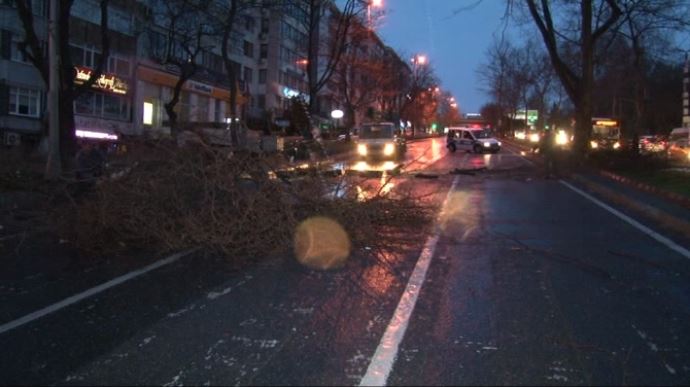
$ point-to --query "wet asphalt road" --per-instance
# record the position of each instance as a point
(529, 283)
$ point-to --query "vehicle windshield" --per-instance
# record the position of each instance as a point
(377, 131)
(600, 131)
(483, 134)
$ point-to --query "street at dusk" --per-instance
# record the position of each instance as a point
(351, 192)
(518, 291)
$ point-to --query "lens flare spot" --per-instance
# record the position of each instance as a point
(321, 243)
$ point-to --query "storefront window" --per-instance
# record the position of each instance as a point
(84, 104)
(202, 108)
(108, 106)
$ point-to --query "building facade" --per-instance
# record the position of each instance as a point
(268, 51)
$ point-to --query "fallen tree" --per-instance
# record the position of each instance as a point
(171, 198)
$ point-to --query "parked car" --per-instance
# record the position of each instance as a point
(475, 140)
(652, 144)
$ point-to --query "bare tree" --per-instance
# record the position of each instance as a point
(644, 22)
(595, 18)
(361, 78)
(32, 48)
(180, 37)
(419, 105)
(324, 52)
(447, 112)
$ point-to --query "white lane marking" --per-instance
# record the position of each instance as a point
(655, 235)
(90, 292)
(381, 364)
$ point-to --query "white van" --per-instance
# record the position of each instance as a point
(475, 140)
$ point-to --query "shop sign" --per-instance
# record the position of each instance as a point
(196, 86)
(107, 82)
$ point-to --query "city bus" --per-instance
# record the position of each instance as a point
(606, 134)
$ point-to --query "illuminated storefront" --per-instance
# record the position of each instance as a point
(107, 108)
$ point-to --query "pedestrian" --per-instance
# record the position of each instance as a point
(548, 151)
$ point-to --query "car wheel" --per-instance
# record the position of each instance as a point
(477, 149)
(452, 147)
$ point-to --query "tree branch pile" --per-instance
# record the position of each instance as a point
(173, 198)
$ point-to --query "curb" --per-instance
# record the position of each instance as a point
(672, 196)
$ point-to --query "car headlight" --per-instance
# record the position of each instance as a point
(561, 138)
(388, 149)
(534, 137)
(486, 144)
(362, 149)
(594, 144)
(499, 143)
(616, 145)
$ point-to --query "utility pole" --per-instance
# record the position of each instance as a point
(53, 166)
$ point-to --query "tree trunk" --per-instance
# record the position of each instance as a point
(68, 138)
(170, 107)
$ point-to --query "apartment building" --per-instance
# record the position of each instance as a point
(22, 97)
(268, 51)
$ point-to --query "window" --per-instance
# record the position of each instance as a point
(202, 104)
(248, 49)
(25, 102)
(263, 51)
(109, 106)
(262, 76)
(118, 65)
(248, 74)
(236, 68)
(262, 101)
(148, 113)
(16, 53)
(249, 23)
(85, 56)
(217, 113)
(264, 25)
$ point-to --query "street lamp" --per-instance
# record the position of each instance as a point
(419, 60)
(375, 4)
(337, 115)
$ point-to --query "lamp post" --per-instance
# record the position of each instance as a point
(417, 61)
(337, 115)
(375, 4)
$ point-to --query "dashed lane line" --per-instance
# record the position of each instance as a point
(91, 292)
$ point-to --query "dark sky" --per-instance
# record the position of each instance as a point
(455, 44)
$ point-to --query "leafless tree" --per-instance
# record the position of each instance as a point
(447, 112)
(643, 24)
(324, 52)
(594, 19)
(181, 37)
(362, 77)
(33, 49)
(420, 102)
